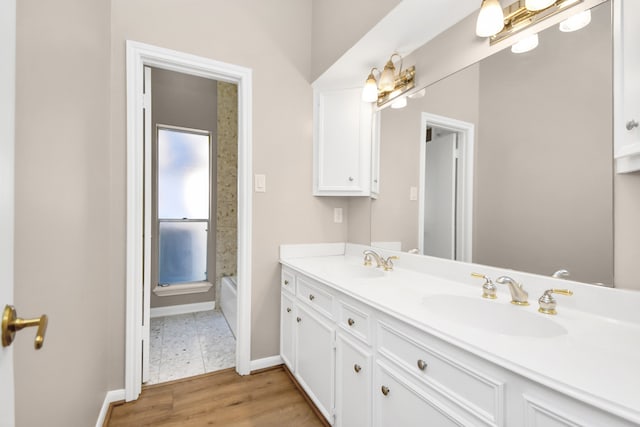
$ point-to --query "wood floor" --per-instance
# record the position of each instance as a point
(223, 398)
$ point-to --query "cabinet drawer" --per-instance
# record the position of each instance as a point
(398, 402)
(480, 395)
(312, 294)
(355, 322)
(288, 281)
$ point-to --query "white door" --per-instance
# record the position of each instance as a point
(7, 129)
(440, 196)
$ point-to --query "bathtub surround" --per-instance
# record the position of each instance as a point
(226, 184)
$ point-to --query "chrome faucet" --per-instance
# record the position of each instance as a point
(386, 263)
(518, 295)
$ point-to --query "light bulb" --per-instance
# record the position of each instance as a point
(370, 90)
(388, 78)
(538, 4)
(526, 44)
(576, 22)
(490, 20)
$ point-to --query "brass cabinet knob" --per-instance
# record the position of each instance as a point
(11, 324)
(422, 365)
(350, 321)
(286, 282)
(311, 297)
(351, 179)
(288, 309)
(384, 389)
(298, 319)
(357, 368)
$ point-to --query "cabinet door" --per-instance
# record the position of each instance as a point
(315, 358)
(342, 144)
(398, 402)
(287, 335)
(353, 383)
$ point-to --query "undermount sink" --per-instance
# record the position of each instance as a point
(493, 316)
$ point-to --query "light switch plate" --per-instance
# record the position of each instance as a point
(261, 183)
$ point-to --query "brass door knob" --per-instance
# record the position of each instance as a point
(384, 389)
(11, 324)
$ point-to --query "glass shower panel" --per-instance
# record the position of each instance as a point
(183, 174)
(183, 251)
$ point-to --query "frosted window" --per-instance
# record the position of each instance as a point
(183, 251)
(183, 175)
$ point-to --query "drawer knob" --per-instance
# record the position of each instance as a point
(312, 297)
(350, 321)
(286, 282)
(422, 365)
(357, 368)
(288, 309)
(384, 389)
(298, 319)
(351, 179)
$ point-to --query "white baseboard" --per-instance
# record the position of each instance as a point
(182, 309)
(111, 396)
(267, 362)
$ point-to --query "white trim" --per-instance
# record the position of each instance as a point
(109, 398)
(182, 289)
(172, 310)
(466, 141)
(266, 362)
(139, 55)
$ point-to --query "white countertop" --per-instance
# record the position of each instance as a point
(593, 358)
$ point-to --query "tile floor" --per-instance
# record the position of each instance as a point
(190, 344)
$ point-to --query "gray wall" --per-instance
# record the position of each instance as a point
(63, 225)
(337, 25)
(186, 101)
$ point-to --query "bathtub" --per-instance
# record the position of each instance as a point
(228, 301)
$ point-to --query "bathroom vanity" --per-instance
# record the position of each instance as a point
(418, 345)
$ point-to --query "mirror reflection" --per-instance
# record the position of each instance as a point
(508, 162)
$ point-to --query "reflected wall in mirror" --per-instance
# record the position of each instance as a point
(542, 163)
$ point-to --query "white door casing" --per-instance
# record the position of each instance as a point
(7, 189)
(148, 191)
(466, 142)
(140, 55)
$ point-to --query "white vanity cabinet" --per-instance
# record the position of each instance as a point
(342, 143)
(363, 366)
(307, 338)
(626, 85)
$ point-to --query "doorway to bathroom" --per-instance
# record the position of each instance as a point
(143, 223)
(446, 187)
(193, 245)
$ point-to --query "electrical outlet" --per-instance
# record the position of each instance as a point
(413, 193)
(337, 215)
(261, 183)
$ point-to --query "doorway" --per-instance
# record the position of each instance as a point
(445, 209)
(139, 193)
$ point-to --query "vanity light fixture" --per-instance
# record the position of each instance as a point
(526, 44)
(576, 22)
(519, 15)
(389, 84)
(491, 19)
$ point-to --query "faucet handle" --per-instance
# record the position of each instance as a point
(367, 260)
(548, 303)
(489, 289)
(388, 263)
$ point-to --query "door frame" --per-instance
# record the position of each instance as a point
(139, 55)
(7, 194)
(464, 179)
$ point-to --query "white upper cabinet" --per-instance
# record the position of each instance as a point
(626, 129)
(342, 143)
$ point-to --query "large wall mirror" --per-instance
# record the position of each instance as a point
(508, 162)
